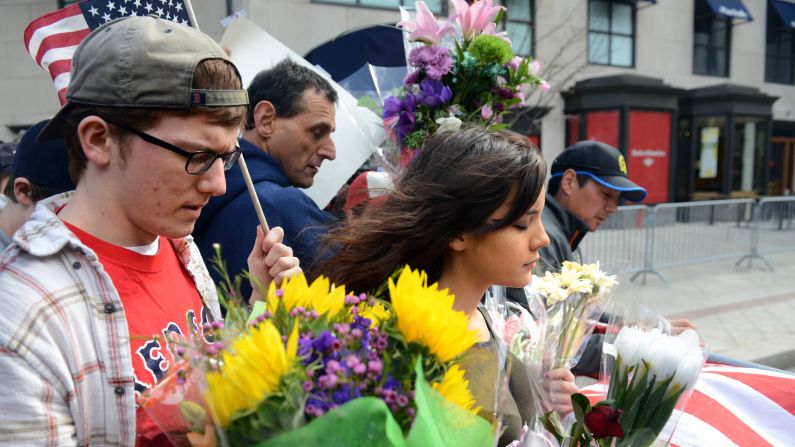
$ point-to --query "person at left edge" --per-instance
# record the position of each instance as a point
(97, 282)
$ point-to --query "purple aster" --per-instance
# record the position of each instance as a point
(433, 59)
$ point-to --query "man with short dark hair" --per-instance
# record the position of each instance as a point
(587, 180)
(38, 171)
(99, 280)
(288, 136)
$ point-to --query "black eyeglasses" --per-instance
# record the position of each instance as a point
(198, 162)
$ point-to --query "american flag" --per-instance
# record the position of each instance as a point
(732, 406)
(52, 39)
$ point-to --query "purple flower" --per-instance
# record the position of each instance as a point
(486, 112)
(412, 77)
(402, 400)
(327, 381)
(434, 60)
(375, 366)
(404, 110)
(433, 93)
(308, 385)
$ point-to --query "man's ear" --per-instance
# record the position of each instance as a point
(23, 192)
(96, 139)
(568, 182)
(264, 115)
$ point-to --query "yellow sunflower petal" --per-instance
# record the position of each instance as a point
(425, 316)
(455, 388)
(252, 368)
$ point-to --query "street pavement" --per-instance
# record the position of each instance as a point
(740, 312)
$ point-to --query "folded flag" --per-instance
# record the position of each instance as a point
(51, 39)
(733, 406)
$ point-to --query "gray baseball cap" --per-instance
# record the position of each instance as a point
(142, 62)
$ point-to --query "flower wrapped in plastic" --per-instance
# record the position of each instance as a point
(651, 375)
(460, 71)
(575, 299)
(313, 360)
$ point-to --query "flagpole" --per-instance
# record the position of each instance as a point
(253, 194)
(191, 15)
(242, 160)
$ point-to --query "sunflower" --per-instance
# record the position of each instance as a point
(321, 295)
(377, 313)
(425, 316)
(252, 367)
(455, 388)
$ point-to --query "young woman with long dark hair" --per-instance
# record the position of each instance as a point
(467, 211)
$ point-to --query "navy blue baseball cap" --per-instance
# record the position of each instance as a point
(603, 163)
(43, 163)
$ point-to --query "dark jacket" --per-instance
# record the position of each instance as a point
(565, 231)
(231, 221)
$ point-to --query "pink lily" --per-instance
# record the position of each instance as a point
(534, 68)
(491, 29)
(474, 18)
(544, 86)
(426, 28)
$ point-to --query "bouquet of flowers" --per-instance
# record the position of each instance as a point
(477, 79)
(313, 360)
(575, 298)
(652, 375)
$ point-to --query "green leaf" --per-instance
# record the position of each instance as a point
(581, 406)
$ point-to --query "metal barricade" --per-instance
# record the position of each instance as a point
(621, 240)
(775, 224)
(694, 232)
(645, 240)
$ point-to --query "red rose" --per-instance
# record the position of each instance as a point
(603, 421)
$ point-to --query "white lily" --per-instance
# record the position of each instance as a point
(448, 123)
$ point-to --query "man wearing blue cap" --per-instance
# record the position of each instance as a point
(587, 181)
(38, 171)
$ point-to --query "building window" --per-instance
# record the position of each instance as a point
(780, 49)
(611, 33)
(711, 41)
(436, 6)
(518, 22)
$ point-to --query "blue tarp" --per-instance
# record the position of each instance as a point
(379, 45)
(785, 11)
(733, 9)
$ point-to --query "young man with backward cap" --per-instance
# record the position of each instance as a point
(99, 279)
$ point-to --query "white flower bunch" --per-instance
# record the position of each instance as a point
(665, 356)
(574, 278)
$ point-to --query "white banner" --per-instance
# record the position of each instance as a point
(358, 132)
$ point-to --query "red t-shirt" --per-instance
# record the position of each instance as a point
(159, 297)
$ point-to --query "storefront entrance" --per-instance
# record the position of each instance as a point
(782, 166)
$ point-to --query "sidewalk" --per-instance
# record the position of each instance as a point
(747, 314)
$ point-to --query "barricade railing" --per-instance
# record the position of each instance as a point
(648, 239)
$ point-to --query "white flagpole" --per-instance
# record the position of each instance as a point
(242, 160)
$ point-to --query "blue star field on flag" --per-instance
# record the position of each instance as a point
(98, 12)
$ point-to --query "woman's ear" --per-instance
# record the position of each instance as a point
(459, 243)
(96, 140)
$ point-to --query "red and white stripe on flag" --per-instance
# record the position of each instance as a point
(52, 39)
(733, 406)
